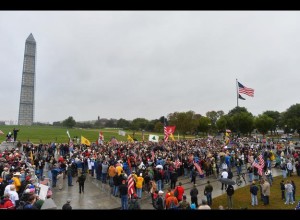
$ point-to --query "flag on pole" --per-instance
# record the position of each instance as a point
(68, 134)
(1, 132)
(153, 138)
(243, 89)
(172, 137)
(130, 185)
(129, 138)
(168, 130)
(85, 141)
(241, 97)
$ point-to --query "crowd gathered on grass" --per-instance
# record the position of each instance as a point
(134, 168)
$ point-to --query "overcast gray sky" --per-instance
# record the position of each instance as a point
(130, 64)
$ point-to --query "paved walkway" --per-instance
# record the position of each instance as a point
(97, 195)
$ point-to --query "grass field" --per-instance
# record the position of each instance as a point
(242, 197)
(47, 134)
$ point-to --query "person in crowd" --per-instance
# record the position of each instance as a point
(224, 175)
(194, 195)
(204, 205)
(80, 180)
(60, 180)
(253, 192)
(288, 193)
(67, 205)
(123, 188)
(184, 204)
(266, 190)
(230, 192)
(6, 203)
(208, 193)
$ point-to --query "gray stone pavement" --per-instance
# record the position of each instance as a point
(97, 195)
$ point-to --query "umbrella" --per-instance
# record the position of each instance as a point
(227, 181)
(49, 204)
(159, 166)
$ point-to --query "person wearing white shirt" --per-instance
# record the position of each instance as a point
(225, 176)
(14, 197)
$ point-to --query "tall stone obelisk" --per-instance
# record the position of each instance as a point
(26, 110)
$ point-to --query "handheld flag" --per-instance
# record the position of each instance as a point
(68, 134)
(168, 130)
(85, 141)
(129, 138)
(153, 138)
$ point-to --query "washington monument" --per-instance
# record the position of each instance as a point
(26, 110)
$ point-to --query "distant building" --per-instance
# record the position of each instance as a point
(26, 110)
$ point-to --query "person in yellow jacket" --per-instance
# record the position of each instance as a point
(139, 185)
(111, 173)
(17, 181)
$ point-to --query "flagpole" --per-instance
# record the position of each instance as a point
(237, 93)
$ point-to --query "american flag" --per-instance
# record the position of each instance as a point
(261, 161)
(259, 165)
(198, 168)
(131, 189)
(245, 90)
(177, 163)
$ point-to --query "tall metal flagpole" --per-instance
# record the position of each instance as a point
(237, 93)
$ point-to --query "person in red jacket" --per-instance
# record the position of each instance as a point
(6, 203)
(180, 192)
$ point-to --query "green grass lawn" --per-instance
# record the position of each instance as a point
(242, 197)
(47, 134)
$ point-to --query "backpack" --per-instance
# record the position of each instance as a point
(176, 192)
(21, 205)
(133, 205)
(155, 202)
(173, 206)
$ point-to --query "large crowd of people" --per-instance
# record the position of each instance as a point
(146, 166)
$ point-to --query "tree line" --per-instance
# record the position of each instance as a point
(239, 120)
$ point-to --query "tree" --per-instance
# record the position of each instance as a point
(69, 122)
(214, 116)
(243, 122)
(221, 123)
(275, 115)
(139, 124)
(184, 122)
(122, 123)
(263, 123)
(204, 124)
(292, 118)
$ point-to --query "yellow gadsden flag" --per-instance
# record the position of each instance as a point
(85, 141)
(129, 138)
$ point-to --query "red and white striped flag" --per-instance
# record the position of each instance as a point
(168, 130)
(259, 165)
(177, 163)
(198, 168)
(261, 161)
(131, 189)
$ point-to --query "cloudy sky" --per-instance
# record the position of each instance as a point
(131, 64)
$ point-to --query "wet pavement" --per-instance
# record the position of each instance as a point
(98, 196)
